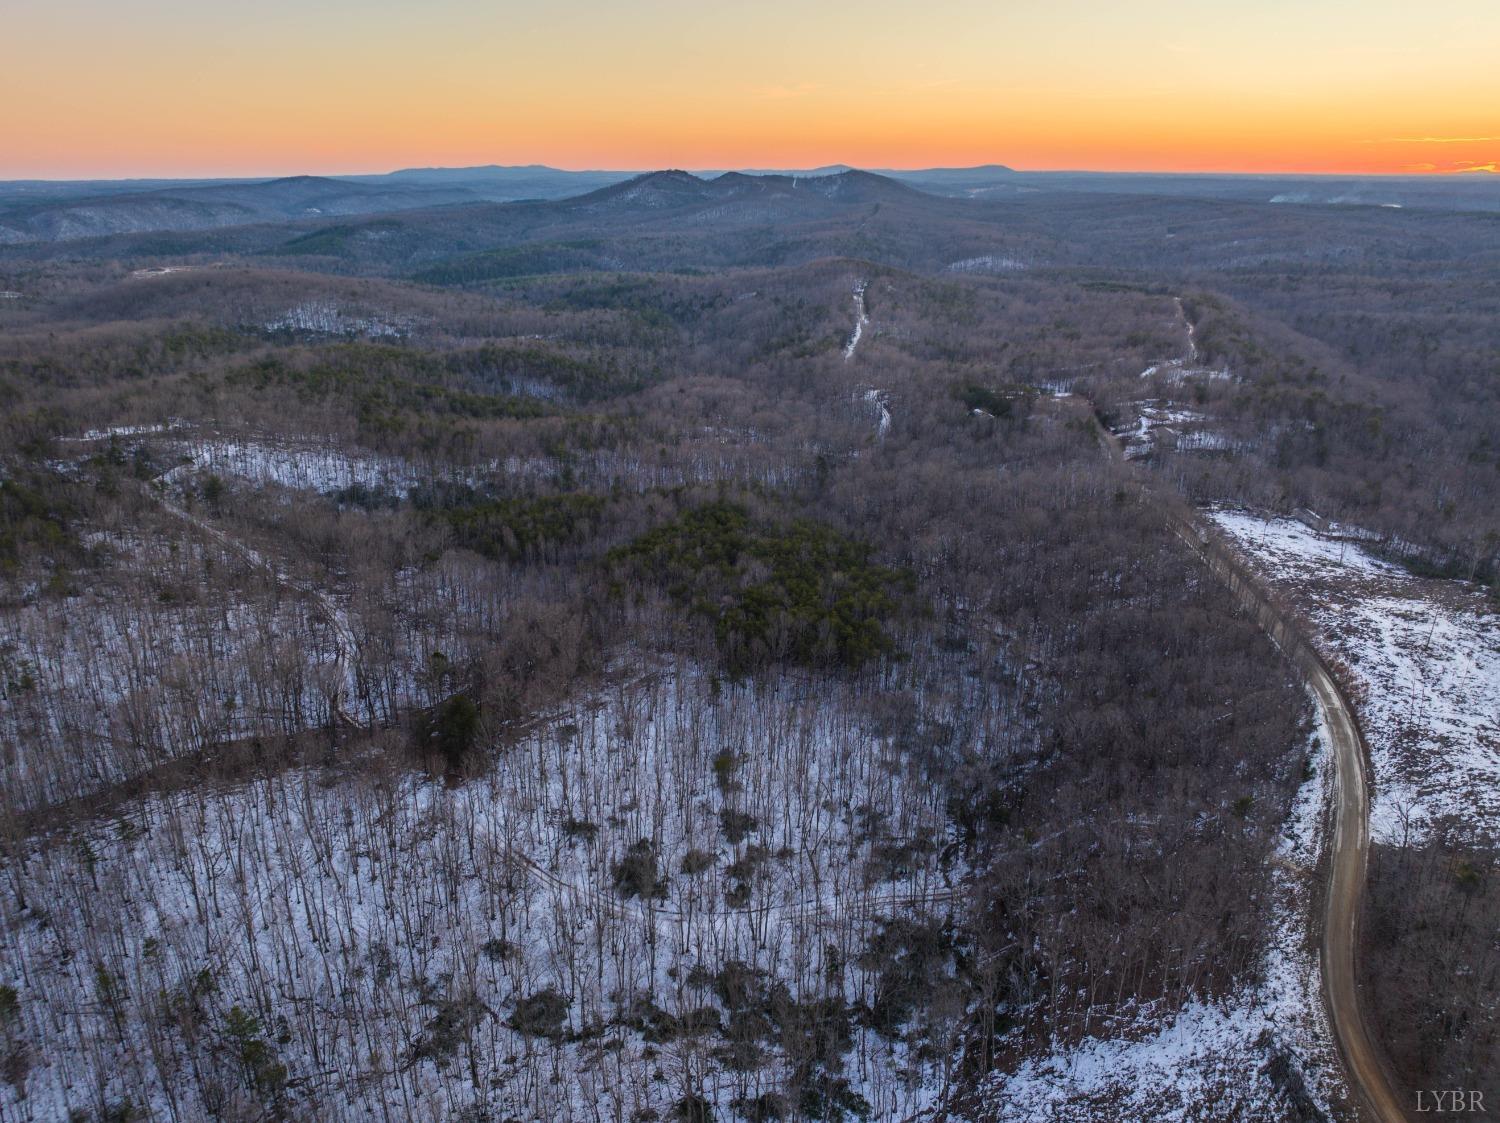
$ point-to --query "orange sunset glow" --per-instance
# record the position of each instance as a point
(170, 88)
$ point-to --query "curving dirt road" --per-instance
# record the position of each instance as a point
(1348, 851)
(1365, 1068)
(1348, 857)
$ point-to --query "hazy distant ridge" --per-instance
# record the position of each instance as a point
(40, 212)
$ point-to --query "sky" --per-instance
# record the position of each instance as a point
(114, 88)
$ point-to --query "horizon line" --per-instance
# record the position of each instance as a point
(1415, 173)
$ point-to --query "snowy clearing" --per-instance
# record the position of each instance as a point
(1423, 660)
(115, 431)
(988, 263)
(313, 465)
(1160, 425)
(324, 317)
(1175, 372)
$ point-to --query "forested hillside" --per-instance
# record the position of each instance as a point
(687, 651)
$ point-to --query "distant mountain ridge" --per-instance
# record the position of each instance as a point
(498, 183)
(674, 187)
(210, 207)
(36, 212)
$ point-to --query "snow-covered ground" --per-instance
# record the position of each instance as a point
(988, 263)
(114, 432)
(329, 465)
(325, 317)
(1423, 659)
(880, 402)
(860, 320)
(1242, 1057)
(385, 929)
(324, 467)
(1175, 371)
(318, 466)
(161, 271)
(1159, 424)
(97, 689)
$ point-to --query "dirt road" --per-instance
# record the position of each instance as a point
(1348, 857)
(1365, 1069)
(1348, 850)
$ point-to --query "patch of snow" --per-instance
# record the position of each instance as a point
(1167, 1065)
(988, 263)
(860, 320)
(325, 317)
(1181, 427)
(879, 401)
(343, 911)
(317, 466)
(312, 466)
(114, 431)
(1304, 198)
(121, 684)
(1176, 371)
(161, 271)
(1291, 550)
(1422, 658)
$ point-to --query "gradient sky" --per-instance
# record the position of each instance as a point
(213, 87)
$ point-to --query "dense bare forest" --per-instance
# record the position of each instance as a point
(687, 652)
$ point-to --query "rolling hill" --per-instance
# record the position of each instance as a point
(210, 207)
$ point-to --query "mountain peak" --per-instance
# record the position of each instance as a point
(673, 187)
(669, 187)
(856, 186)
